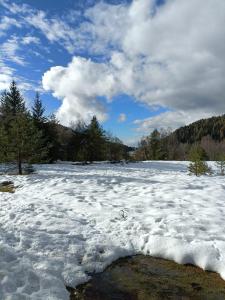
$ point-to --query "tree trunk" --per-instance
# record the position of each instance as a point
(19, 164)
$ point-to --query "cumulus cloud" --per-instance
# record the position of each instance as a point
(164, 55)
(122, 118)
(79, 85)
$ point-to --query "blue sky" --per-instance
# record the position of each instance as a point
(137, 65)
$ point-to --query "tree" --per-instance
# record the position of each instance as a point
(142, 152)
(198, 166)
(20, 140)
(116, 150)
(12, 102)
(96, 141)
(220, 163)
(38, 110)
(155, 146)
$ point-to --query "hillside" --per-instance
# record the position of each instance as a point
(163, 145)
(213, 127)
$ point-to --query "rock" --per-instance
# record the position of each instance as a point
(144, 278)
(7, 187)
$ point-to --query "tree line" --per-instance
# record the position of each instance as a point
(208, 134)
(29, 136)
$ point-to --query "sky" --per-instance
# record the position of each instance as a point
(135, 64)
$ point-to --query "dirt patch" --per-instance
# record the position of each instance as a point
(146, 278)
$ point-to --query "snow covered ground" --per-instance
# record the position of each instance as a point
(66, 222)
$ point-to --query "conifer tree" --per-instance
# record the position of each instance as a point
(20, 140)
(198, 166)
(155, 146)
(12, 101)
(38, 110)
(96, 141)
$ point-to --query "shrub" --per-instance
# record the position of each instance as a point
(198, 166)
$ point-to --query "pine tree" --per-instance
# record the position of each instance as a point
(198, 166)
(155, 146)
(38, 110)
(12, 101)
(96, 141)
(20, 140)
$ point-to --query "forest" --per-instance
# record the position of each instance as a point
(29, 136)
(32, 137)
(207, 134)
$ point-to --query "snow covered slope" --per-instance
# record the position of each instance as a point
(66, 222)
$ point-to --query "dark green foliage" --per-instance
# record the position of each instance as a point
(198, 166)
(153, 147)
(20, 140)
(38, 110)
(116, 150)
(95, 141)
(12, 102)
(213, 127)
(208, 133)
(33, 138)
(91, 141)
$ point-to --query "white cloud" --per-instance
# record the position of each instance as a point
(6, 74)
(15, 8)
(169, 119)
(54, 29)
(78, 85)
(9, 51)
(122, 118)
(27, 40)
(171, 56)
(6, 23)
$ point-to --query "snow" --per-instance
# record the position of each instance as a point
(68, 221)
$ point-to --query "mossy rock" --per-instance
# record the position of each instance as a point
(146, 278)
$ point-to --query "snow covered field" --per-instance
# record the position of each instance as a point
(66, 222)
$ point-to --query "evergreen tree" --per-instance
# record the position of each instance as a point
(96, 141)
(20, 140)
(155, 146)
(198, 166)
(38, 110)
(12, 102)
